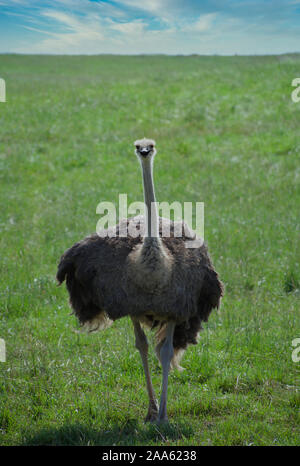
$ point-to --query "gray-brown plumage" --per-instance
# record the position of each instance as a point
(156, 280)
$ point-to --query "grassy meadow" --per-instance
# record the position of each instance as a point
(227, 134)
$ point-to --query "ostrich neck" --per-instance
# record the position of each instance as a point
(151, 265)
(151, 223)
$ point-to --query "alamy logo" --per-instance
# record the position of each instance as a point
(2, 90)
(189, 210)
(296, 351)
(295, 96)
(2, 350)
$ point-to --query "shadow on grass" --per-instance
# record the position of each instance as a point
(130, 432)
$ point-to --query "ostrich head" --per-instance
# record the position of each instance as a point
(145, 149)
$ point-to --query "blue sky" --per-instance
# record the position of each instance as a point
(150, 26)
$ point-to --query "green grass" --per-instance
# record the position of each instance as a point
(227, 133)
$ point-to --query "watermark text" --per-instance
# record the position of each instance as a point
(295, 95)
(2, 350)
(182, 224)
(296, 351)
(2, 90)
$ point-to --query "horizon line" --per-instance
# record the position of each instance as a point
(152, 54)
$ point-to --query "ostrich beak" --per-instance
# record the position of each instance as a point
(144, 152)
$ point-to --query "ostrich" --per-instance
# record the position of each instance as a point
(156, 280)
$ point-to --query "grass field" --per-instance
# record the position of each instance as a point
(227, 133)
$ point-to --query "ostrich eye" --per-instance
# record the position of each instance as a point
(137, 147)
(151, 147)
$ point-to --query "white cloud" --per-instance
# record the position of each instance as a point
(204, 23)
(79, 34)
(127, 26)
(90, 24)
(9, 2)
(152, 6)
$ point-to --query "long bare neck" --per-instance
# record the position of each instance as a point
(151, 214)
(150, 263)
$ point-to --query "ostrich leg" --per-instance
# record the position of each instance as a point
(166, 354)
(141, 344)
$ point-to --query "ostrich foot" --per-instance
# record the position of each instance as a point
(152, 413)
(163, 420)
(151, 417)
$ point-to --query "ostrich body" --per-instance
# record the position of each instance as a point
(154, 279)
